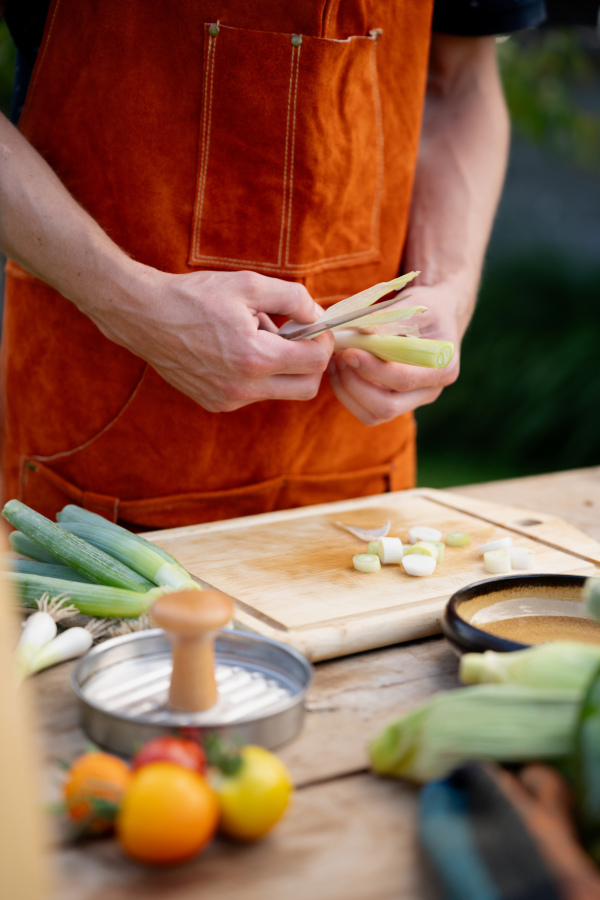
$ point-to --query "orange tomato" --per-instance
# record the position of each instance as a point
(93, 779)
(168, 815)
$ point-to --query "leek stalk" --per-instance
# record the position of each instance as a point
(591, 596)
(25, 546)
(394, 348)
(558, 664)
(48, 570)
(142, 559)
(502, 722)
(77, 553)
(72, 513)
(90, 599)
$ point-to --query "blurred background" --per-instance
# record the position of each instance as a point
(528, 397)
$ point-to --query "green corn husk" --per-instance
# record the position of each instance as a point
(591, 596)
(90, 599)
(564, 665)
(142, 558)
(47, 570)
(25, 546)
(72, 513)
(71, 550)
(499, 722)
(393, 348)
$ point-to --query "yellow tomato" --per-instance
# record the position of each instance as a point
(168, 814)
(254, 798)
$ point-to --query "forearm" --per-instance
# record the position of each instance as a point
(460, 170)
(45, 230)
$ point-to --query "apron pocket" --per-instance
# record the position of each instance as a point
(290, 168)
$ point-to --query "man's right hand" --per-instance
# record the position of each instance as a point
(210, 335)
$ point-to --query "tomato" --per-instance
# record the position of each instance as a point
(255, 797)
(168, 814)
(95, 779)
(171, 749)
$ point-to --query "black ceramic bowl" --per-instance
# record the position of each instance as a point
(515, 611)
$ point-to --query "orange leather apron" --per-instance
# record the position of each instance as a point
(199, 145)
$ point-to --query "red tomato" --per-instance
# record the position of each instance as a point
(181, 752)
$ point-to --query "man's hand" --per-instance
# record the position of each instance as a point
(462, 157)
(376, 391)
(209, 334)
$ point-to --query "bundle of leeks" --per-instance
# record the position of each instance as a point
(105, 570)
(522, 706)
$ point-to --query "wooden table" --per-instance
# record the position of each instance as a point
(348, 834)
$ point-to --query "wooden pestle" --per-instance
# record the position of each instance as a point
(191, 620)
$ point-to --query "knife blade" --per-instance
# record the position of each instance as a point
(319, 326)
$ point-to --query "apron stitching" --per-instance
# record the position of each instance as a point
(102, 431)
(302, 267)
(285, 161)
(291, 182)
(380, 147)
(206, 126)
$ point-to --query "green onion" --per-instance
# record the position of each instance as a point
(141, 557)
(373, 548)
(90, 599)
(80, 555)
(458, 539)
(22, 544)
(558, 664)
(366, 562)
(393, 348)
(48, 570)
(72, 513)
(501, 722)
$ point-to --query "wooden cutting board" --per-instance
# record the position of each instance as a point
(290, 573)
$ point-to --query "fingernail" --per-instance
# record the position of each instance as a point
(353, 361)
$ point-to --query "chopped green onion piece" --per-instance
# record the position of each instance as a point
(389, 550)
(458, 539)
(424, 533)
(556, 664)
(366, 562)
(373, 548)
(441, 550)
(419, 564)
(90, 599)
(72, 513)
(392, 348)
(424, 548)
(500, 544)
(80, 555)
(521, 557)
(503, 722)
(496, 562)
(142, 558)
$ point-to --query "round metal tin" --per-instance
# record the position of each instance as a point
(122, 687)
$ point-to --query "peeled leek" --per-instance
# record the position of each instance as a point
(501, 722)
(80, 555)
(393, 348)
(141, 557)
(557, 664)
(90, 599)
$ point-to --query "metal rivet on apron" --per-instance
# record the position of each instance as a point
(296, 40)
(213, 30)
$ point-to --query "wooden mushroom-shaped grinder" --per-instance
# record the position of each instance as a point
(191, 620)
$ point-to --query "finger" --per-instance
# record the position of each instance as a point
(291, 387)
(395, 376)
(266, 323)
(373, 404)
(275, 296)
(295, 357)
